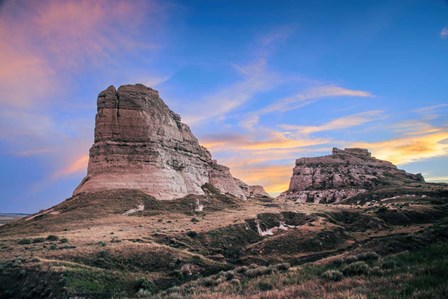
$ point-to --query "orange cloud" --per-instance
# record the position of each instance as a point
(410, 148)
(262, 162)
(276, 140)
(79, 165)
(275, 179)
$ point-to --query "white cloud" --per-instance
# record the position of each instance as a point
(337, 124)
(302, 99)
(444, 32)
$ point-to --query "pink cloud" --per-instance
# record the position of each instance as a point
(42, 39)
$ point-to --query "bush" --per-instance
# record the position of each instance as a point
(376, 271)
(194, 220)
(38, 240)
(282, 267)
(368, 256)
(258, 271)
(350, 259)
(332, 275)
(53, 247)
(24, 242)
(192, 234)
(145, 286)
(229, 275)
(236, 285)
(178, 275)
(209, 282)
(389, 264)
(357, 268)
(337, 262)
(64, 240)
(241, 270)
(265, 286)
(174, 289)
(52, 238)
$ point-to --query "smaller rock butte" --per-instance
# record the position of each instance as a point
(339, 176)
(141, 144)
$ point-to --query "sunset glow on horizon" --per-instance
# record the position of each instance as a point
(260, 83)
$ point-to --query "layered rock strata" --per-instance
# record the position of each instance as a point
(141, 144)
(339, 176)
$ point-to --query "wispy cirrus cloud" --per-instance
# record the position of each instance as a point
(312, 94)
(302, 99)
(336, 124)
(444, 32)
(255, 78)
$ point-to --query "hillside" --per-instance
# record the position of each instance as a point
(88, 246)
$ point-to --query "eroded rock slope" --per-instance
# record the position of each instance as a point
(341, 175)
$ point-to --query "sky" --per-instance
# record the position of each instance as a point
(261, 83)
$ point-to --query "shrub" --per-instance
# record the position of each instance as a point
(350, 259)
(236, 284)
(64, 240)
(178, 275)
(53, 247)
(67, 247)
(265, 286)
(194, 220)
(337, 262)
(282, 267)
(229, 275)
(258, 271)
(357, 268)
(52, 238)
(241, 270)
(376, 271)
(368, 256)
(192, 234)
(24, 242)
(332, 275)
(389, 264)
(38, 240)
(174, 289)
(145, 286)
(209, 282)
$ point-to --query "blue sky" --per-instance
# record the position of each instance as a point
(261, 83)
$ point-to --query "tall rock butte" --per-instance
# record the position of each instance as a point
(340, 176)
(141, 144)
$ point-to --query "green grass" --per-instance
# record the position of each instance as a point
(422, 273)
(82, 282)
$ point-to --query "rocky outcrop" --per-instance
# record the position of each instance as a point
(340, 176)
(255, 191)
(141, 144)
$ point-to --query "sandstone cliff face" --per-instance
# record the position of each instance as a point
(141, 144)
(340, 176)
